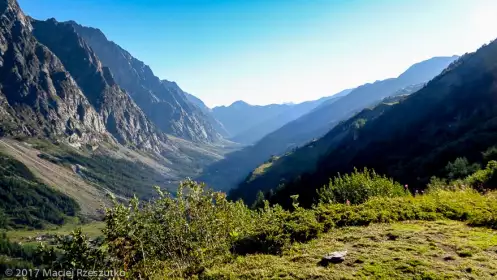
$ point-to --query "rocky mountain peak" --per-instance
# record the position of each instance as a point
(122, 117)
(164, 103)
(37, 94)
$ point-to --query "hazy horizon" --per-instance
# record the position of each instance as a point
(265, 52)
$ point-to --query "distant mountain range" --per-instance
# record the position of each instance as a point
(259, 130)
(247, 123)
(285, 168)
(240, 116)
(228, 172)
(453, 116)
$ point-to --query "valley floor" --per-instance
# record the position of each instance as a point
(408, 250)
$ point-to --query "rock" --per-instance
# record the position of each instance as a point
(38, 96)
(163, 102)
(121, 116)
(335, 257)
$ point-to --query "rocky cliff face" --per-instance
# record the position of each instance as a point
(38, 96)
(218, 126)
(122, 117)
(164, 103)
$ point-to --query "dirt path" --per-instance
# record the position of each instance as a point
(89, 198)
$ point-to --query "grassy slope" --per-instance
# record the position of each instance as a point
(88, 197)
(93, 229)
(25, 201)
(408, 250)
(304, 159)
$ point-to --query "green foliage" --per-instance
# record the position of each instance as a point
(79, 252)
(24, 201)
(15, 255)
(490, 154)
(259, 201)
(358, 187)
(464, 205)
(460, 168)
(185, 233)
(276, 229)
(485, 178)
(359, 123)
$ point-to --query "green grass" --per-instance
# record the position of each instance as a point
(27, 202)
(120, 176)
(260, 170)
(407, 250)
(93, 229)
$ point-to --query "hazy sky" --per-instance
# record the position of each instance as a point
(272, 51)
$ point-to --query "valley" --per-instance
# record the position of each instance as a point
(106, 163)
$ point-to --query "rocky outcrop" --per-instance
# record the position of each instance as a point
(165, 104)
(122, 117)
(38, 96)
(218, 126)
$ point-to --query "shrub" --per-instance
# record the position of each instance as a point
(276, 229)
(490, 154)
(358, 187)
(485, 178)
(179, 236)
(460, 168)
(438, 184)
(463, 205)
(174, 235)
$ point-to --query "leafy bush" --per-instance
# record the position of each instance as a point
(180, 236)
(485, 178)
(490, 154)
(358, 187)
(463, 205)
(461, 168)
(276, 229)
(186, 232)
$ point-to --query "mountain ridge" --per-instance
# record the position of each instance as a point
(122, 117)
(164, 103)
(452, 116)
(287, 167)
(228, 172)
(38, 96)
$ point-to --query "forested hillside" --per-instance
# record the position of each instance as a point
(452, 116)
(274, 173)
(227, 173)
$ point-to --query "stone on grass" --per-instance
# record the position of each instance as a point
(335, 257)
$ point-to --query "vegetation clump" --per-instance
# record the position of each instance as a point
(191, 233)
(27, 202)
(358, 187)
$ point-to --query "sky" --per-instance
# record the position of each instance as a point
(276, 51)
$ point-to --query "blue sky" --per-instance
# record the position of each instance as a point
(275, 51)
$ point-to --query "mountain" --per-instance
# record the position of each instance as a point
(228, 172)
(65, 119)
(241, 116)
(38, 96)
(218, 126)
(197, 102)
(295, 111)
(334, 98)
(121, 116)
(454, 115)
(164, 103)
(283, 169)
